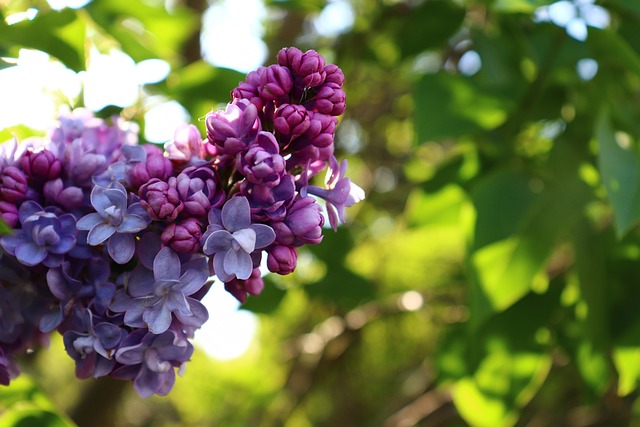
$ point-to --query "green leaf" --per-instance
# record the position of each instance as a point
(60, 34)
(428, 26)
(611, 48)
(620, 171)
(268, 300)
(449, 106)
(31, 417)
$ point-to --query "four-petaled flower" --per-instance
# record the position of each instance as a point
(231, 238)
(114, 221)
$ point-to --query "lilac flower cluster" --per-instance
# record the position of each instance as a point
(114, 244)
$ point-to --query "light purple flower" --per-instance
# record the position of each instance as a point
(68, 197)
(340, 192)
(183, 236)
(40, 165)
(168, 293)
(155, 165)
(161, 199)
(282, 259)
(13, 185)
(232, 238)
(199, 190)
(186, 148)
(235, 128)
(262, 164)
(114, 221)
(44, 237)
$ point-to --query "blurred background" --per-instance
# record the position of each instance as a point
(490, 278)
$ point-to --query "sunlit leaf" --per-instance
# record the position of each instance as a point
(620, 171)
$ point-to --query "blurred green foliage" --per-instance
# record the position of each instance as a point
(491, 278)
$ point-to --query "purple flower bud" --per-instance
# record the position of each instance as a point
(322, 128)
(276, 82)
(248, 89)
(262, 164)
(161, 199)
(282, 259)
(305, 220)
(183, 236)
(9, 213)
(67, 197)
(41, 165)
(290, 57)
(334, 75)
(310, 68)
(156, 166)
(199, 189)
(186, 147)
(291, 121)
(239, 288)
(232, 130)
(330, 100)
(13, 185)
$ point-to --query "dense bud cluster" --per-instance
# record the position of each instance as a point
(114, 244)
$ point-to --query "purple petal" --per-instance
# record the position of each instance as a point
(148, 247)
(236, 214)
(246, 238)
(218, 267)
(27, 209)
(140, 281)
(238, 263)
(193, 279)
(121, 247)
(99, 233)
(89, 221)
(99, 199)
(30, 254)
(133, 355)
(264, 235)
(217, 241)
(135, 309)
(199, 314)
(176, 302)
(65, 244)
(166, 265)
(157, 318)
(132, 224)
(108, 334)
(333, 216)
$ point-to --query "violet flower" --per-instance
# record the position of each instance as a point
(44, 237)
(155, 301)
(340, 192)
(151, 361)
(240, 288)
(161, 199)
(13, 185)
(186, 147)
(262, 164)
(235, 128)
(114, 221)
(40, 165)
(232, 238)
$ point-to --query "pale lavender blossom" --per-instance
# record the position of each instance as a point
(232, 238)
(114, 221)
(154, 301)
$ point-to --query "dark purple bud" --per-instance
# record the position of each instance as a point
(41, 165)
(334, 75)
(277, 82)
(322, 128)
(305, 220)
(282, 259)
(262, 164)
(67, 197)
(183, 236)
(13, 185)
(9, 213)
(330, 100)
(290, 57)
(248, 89)
(239, 288)
(291, 121)
(311, 68)
(156, 166)
(161, 199)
